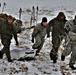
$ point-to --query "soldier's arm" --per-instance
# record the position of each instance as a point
(49, 27)
(67, 26)
(15, 36)
(35, 31)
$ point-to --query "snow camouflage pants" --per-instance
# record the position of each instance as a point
(38, 43)
(71, 48)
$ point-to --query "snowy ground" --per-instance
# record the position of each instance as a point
(42, 65)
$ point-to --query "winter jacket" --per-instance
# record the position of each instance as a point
(39, 30)
(57, 26)
(7, 30)
(70, 47)
(71, 28)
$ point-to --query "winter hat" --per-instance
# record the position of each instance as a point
(44, 19)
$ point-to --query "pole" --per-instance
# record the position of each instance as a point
(20, 11)
(0, 4)
(4, 4)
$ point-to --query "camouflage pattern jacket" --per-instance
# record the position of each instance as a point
(71, 26)
(57, 26)
(7, 30)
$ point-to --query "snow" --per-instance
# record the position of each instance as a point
(42, 65)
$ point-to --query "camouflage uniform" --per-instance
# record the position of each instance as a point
(39, 33)
(57, 26)
(17, 25)
(6, 32)
(71, 46)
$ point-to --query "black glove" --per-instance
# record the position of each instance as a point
(17, 43)
(48, 36)
(67, 30)
(32, 40)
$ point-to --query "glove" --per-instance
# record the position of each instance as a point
(48, 36)
(67, 30)
(17, 43)
(32, 40)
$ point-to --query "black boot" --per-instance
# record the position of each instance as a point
(10, 60)
(1, 55)
(62, 57)
(37, 52)
(54, 60)
(53, 56)
(72, 67)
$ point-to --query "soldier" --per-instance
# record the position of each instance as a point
(6, 32)
(57, 25)
(70, 48)
(39, 33)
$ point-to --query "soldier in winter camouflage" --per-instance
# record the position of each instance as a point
(39, 33)
(57, 25)
(70, 28)
(6, 32)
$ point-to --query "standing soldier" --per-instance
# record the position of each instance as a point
(39, 33)
(6, 32)
(70, 28)
(57, 25)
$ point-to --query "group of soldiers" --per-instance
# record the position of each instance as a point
(61, 28)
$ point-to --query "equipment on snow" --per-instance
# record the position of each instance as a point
(22, 55)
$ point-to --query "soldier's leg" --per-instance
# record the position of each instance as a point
(37, 42)
(3, 41)
(1, 55)
(7, 48)
(72, 61)
(56, 42)
(54, 51)
(41, 45)
(66, 51)
(8, 51)
(73, 57)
